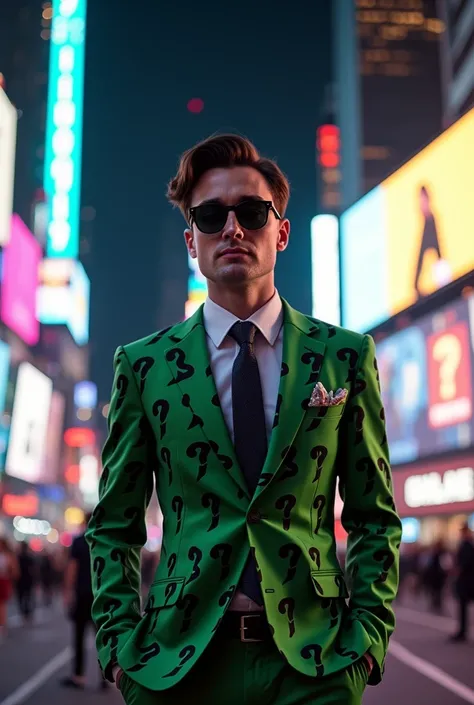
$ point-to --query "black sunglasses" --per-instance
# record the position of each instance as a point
(252, 214)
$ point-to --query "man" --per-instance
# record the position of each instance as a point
(246, 414)
(464, 581)
(78, 602)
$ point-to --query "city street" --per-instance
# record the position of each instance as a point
(422, 667)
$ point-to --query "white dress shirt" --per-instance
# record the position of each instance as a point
(222, 352)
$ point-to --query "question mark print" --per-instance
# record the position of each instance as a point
(201, 450)
(142, 367)
(286, 504)
(212, 502)
(315, 651)
(177, 505)
(188, 604)
(98, 568)
(222, 552)
(319, 453)
(447, 351)
(291, 468)
(287, 606)
(161, 409)
(350, 355)
(316, 362)
(166, 458)
(184, 371)
(319, 504)
(293, 553)
(122, 386)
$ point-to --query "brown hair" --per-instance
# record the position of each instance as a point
(224, 151)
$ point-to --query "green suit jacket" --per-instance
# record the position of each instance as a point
(165, 423)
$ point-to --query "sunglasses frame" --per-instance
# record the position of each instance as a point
(227, 209)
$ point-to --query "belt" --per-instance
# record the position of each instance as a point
(245, 626)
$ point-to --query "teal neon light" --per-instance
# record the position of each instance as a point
(62, 166)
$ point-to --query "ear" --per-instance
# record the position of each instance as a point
(283, 235)
(189, 238)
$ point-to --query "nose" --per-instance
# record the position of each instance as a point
(232, 229)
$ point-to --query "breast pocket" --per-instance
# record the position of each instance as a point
(325, 412)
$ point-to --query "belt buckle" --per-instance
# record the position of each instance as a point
(243, 638)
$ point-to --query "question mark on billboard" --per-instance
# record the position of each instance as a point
(447, 352)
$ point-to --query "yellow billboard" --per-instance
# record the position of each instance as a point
(416, 230)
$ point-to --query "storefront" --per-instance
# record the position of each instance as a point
(435, 498)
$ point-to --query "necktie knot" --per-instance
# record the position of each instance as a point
(243, 332)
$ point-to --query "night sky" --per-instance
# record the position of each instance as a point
(260, 71)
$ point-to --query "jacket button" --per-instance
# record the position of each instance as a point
(254, 516)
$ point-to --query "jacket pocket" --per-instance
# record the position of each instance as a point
(329, 583)
(325, 412)
(164, 593)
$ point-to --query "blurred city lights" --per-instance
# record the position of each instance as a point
(195, 105)
(74, 516)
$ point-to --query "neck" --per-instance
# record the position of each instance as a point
(241, 302)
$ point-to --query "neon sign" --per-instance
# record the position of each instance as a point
(62, 176)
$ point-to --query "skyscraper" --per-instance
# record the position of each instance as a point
(457, 58)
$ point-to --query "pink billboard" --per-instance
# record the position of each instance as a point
(21, 258)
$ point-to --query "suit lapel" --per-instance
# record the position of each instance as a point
(188, 361)
(303, 358)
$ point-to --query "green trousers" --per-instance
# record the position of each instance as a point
(233, 673)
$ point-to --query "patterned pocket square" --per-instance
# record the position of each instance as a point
(321, 397)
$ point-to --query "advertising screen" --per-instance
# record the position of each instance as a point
(21, 259)
(8, 119)
(426, 373)
(62, 164)
(412, 234)
(325, 268)
(31, 409)
(54, 435)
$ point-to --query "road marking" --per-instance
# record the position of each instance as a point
(39, 678)
(430, 671)
(424, 619)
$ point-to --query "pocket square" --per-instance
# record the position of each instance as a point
(321, 397)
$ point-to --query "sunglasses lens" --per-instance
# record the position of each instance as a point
(210, 218)
(252, 215)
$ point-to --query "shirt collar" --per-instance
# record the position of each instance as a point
(268, 319)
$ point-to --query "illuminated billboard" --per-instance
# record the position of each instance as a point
(197, 288)
(8, 120)
(62, 164)
(4, 373)
(413, 233)
(64, 297)
(426, 374)
(31, 412)
(21, 259)
(54, 436)
(325, 268)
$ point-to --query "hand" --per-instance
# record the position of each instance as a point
(369, 660)
(117, 674)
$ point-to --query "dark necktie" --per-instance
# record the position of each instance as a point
(250, 435)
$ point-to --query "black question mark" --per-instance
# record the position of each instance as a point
(188, 604)
(287, 606)
(203, 449)
(316, 362)
(319, 453)
(185, 371)
(161, 409)
(387, 559)
(332, 605)
(147, 654)
(185, 655)
(142, 367)
(122, 386)
(133, 470)
(177, 505)
(226, 596)
(366, 465)
(351, 356)
(319, 504)
(143, 433)
(98, 515)
(293, 552)
(212, 502)
(358, 387)
(284, 369)
(196, 420)
(119, 556)
(345, 653)
(359, 415)
(383, 467)
(315, 651)
(158, 336)
(98, 568)
(286, 504)
(291, 468)
(172, 563)
(222, 552)
(225, 460)
(195, 555)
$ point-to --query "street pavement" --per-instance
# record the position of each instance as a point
(422, 667)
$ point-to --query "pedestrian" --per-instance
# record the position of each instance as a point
(246, 414)
(435, 575)
(464, 581)
(25, 583)
(8, 575)
(77, 589)
(47, 578)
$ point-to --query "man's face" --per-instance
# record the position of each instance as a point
(236, 256)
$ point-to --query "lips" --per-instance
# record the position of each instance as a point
(234, 251)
